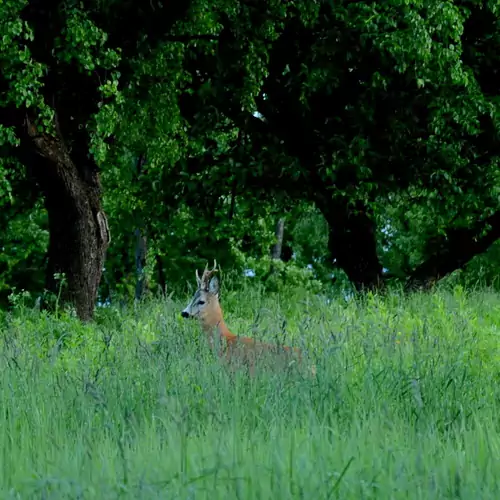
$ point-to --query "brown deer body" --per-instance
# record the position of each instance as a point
(205, 306)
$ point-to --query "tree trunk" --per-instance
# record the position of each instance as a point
(454, 251)
(352, 242)
(79, 233)
(233, 201)
(140, 263)
(162, 280)
(280, 231)
(140, 241)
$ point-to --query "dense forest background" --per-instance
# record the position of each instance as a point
(348, 145)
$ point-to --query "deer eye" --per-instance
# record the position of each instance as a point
(201, 302)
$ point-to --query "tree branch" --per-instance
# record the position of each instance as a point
(458, 247)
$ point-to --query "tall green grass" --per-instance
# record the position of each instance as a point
(405, 405)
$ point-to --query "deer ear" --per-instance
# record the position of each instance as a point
(213, 286)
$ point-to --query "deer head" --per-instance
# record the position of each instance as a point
(204, 304)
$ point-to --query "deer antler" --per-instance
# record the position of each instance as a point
(206, 276)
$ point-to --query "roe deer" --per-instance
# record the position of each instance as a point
(205, 306)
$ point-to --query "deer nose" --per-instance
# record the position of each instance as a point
(185, 314)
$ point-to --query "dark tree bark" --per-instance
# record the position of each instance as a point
(140, 263)
(79, 234)
(277, 247)
(140, 243)
(455, 251)
(352, 242)
(286, 253)
(279, 232)
(233, 200)
(162, 280)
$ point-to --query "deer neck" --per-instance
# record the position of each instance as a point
(223, 330)
(214, 322)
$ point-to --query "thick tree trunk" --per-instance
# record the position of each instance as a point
(455, 251)
(280, 231)
(79, 234)
(352, 242)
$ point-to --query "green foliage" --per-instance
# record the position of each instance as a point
(102, 410)
(81, 40)
(24, 247)
(25, 241)
(388, 108)
(278, 276)
(307, 233)
(23, 73)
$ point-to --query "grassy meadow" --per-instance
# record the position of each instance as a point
(406, 403)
